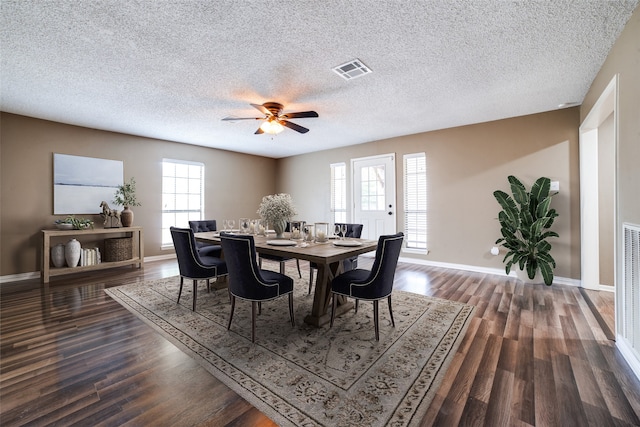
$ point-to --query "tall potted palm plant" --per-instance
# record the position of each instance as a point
(525, 220)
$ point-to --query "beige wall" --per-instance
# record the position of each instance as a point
(465, 165)
(26, 198)
(606, 189)
(624, 60)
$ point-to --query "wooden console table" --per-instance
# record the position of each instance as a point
(48, 271)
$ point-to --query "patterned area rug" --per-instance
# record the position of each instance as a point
(308, 376)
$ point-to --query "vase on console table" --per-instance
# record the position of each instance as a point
(72, 252)
(57, 255)
(126, 217)
(279, 226)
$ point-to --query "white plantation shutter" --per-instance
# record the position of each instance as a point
(182, 195)
(339, 192)
(415, 201)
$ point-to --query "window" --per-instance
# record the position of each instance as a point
(339, 192)
(372, 188)
(182, 195)
(415, 201)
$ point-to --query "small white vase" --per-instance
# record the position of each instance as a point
(57, 255)
(72, 252)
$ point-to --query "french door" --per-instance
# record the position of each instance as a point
(374, 195)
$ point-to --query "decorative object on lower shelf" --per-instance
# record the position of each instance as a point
(72, 252)
(118, 249)
(57, 255)
(90, 256)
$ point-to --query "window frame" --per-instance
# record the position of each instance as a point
(339, 208)
(181, 214)
(415, 210)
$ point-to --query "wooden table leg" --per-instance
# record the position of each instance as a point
(320, 314)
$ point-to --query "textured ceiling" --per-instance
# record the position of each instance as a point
(173, 69)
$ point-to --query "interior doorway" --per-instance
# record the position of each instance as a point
(598, 195)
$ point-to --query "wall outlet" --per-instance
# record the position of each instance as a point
(555, 186)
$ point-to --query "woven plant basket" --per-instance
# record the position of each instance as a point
(118, 249)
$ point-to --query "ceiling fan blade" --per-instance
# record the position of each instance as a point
(262, 109)
(233, 119)
(293, 126)
(258, 132)
(300, 115)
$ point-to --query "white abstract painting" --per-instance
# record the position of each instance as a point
(81, 183)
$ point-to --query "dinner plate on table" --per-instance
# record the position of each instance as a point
(281, 242)
(349, 243)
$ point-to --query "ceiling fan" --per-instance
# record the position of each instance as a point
(274, 120)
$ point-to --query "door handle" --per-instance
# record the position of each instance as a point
(390, 213)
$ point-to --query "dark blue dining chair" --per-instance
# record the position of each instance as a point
(353, 230)
(206, 249)
(280, 259)
(191, 264)
(248, 282)
(371, 285)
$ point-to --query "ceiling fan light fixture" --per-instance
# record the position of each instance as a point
(272, 127)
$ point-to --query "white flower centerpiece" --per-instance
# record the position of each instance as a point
(277, 209)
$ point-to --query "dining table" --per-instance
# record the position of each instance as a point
(327, 256)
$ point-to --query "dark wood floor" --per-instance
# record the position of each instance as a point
(532, 355)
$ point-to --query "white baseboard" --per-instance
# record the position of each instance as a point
(629, 354)
(473, 268)
(19, 277)
(160, 257)
(485, 270)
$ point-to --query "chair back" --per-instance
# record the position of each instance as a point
(380, 281)
(353, 230)
(202, 226)
(245, 278)
(189, 262)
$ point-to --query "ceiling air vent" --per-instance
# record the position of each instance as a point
(352, 69)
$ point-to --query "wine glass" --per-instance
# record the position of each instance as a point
(244, 225)
(343, 227)
(336, 230)
(232, 223)
(225, 225)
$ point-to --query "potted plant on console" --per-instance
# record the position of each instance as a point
(126, 196)
(525, 220)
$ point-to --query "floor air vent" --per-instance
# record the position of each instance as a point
(631, 288)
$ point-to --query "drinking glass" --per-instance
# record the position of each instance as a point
(308, 233)
(322, 230)
(336, 230)
(343, 227)
(244, 225)
(225, 225)
(232, 223)
(297, 229)
(261, 227)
